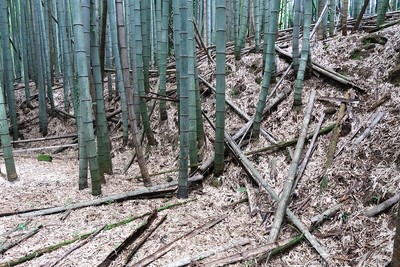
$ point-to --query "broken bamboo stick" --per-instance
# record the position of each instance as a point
(291, 142)
(128, 241)
(383, 206)
(378, 116)
(141, 241)
(81, 244)
(205, 254)
(248, 166)
(332, 145)
(309, 152)
(6, 247)
(245, 255)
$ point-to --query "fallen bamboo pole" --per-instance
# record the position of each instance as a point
(104, 200)
(285, 195)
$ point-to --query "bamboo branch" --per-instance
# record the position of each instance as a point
(154, 256)
(205, 254)
(201, 42)
(81, 244)
(44, 139)
(380, 102)
(6, 247)
(39, 252)
(285, 195)
(129, 240)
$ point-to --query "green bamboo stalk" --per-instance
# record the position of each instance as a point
(5, 138)
(220, 87)
(382, 9)
(8, 68)
(268, 67)
(24, 50)
(163, 54)
(243, 25)
(145, 16)
(103, 138)
(184, 100)
(140, 70)
(85, 106)
(193, 149)
(296, 35)
(119, 77)
(305, 50)
(47, 52)
(40, 73)
(257, 22)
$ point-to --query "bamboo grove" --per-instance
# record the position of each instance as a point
(85, 43)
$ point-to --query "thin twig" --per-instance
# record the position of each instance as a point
(84, 242)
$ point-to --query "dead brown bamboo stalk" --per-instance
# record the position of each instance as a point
(143, 240)
(128, 241)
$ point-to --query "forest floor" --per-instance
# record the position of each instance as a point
(361, 177)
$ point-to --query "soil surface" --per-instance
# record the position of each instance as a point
(362, 175)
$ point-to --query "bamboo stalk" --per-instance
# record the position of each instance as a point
(332, 145)
(104, 200)
(285, 195)
(383, 206)
(291, 142)
(129, 240)
(248, 254)
(25, 150)
(309, 152)
(141, 242)
(6, 247)
(44, 139)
